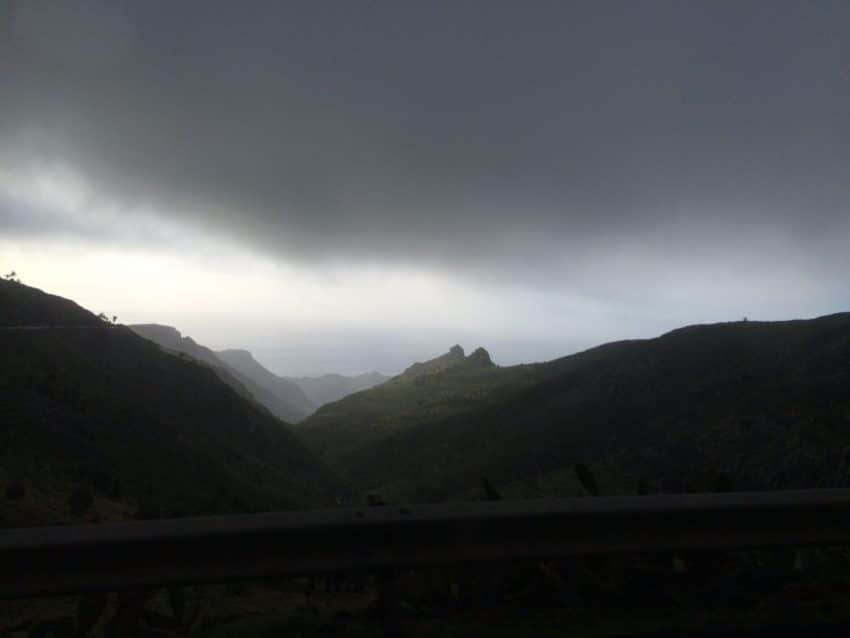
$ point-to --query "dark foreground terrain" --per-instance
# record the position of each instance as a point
(748, 594)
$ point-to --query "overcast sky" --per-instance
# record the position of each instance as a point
(353, 185)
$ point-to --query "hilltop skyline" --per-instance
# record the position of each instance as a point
(346, 188)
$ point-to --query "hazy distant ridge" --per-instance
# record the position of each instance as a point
(243, 362)
(314, 391)
(283, 399)
(333, 387)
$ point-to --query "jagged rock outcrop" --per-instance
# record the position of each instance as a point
(453, 357)
(481, 357)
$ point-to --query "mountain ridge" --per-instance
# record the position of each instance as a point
(93, 406)
(246, 365)
(284, 400)
(765, 403)
(444, 385)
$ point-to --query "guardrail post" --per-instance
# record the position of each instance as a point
(388, 602)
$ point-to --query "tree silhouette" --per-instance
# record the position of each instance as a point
(586, 478)
(490, 493)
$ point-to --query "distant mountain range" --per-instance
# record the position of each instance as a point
(92, 407)
(316, 390)
(289, 398)
(333, 387)
(755, 405)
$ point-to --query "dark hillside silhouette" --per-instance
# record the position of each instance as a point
(93, 406)
(21, 305)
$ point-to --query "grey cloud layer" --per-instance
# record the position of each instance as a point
(472, 134)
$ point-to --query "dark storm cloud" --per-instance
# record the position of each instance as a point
(467, 133)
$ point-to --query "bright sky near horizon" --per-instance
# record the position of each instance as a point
(344, 187)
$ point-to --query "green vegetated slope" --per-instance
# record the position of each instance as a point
(425, 393)
(283, 399)
(765, 404)
(89, 405)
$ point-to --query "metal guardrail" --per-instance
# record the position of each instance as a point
(118, 556)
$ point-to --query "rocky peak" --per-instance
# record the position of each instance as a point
(480, 356)
(453, 357)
